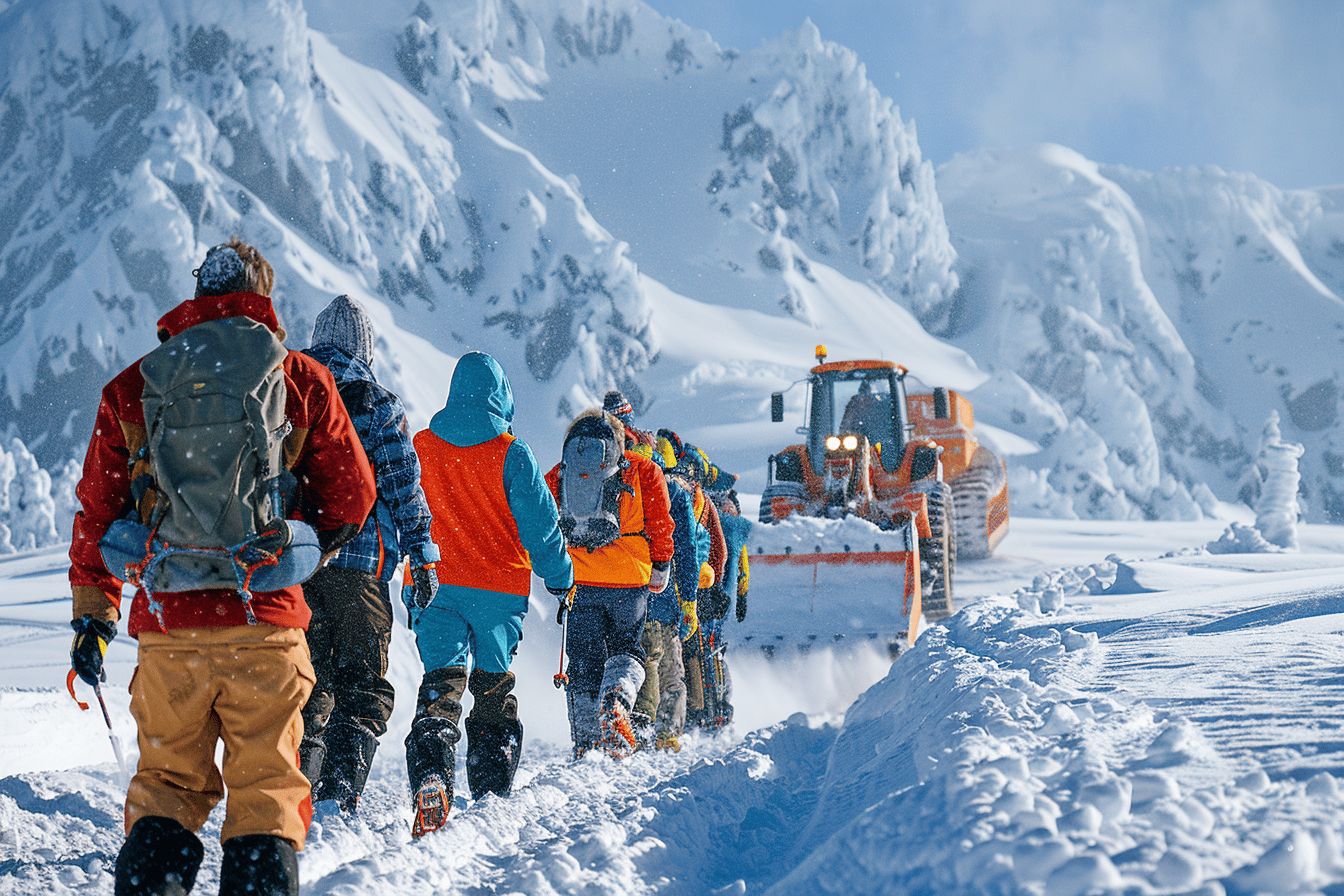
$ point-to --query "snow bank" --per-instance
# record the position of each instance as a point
(981, 764)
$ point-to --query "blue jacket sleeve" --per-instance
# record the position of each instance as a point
(538, 521)
(398, 472)
(686, 539)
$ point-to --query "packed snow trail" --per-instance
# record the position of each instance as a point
(1163, 725)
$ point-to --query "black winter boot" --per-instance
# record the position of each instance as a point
(349, 748)
(493, 752)
(431, 754)
(259, 865)
(313, 748)
(159, 858)
(494, 734)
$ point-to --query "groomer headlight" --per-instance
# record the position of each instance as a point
(832, 443)
(850, 442)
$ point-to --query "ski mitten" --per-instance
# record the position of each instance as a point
(90, 646)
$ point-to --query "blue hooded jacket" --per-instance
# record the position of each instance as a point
(399, 523)
(480, 408)
(690, 548)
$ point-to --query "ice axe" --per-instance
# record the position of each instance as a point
(107, 719)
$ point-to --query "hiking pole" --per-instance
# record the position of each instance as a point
(560, 679)
(107, 719)
(112, 735)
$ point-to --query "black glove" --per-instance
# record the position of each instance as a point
(566, 598)
(718, 602)
(272, 541)
(92, 636)
(424, 585)
(741, 608)
(334, 539)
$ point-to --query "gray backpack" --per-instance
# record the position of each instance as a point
(214, 401)
(591, 485)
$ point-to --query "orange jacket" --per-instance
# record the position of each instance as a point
(646, 530)
(472, 524)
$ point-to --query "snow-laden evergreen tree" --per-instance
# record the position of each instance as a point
(1277, 509)
(32, 512)
(63, 494)
(7, 471)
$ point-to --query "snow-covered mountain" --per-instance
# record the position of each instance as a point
(1141, 326)
(602, 196)
(381, 157)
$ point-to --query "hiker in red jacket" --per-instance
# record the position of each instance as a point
(211, 666)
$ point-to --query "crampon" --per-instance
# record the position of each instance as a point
(432, 803)
(618, 737)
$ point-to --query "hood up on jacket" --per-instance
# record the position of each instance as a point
(480, 403)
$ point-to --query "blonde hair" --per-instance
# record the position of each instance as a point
(260, 274)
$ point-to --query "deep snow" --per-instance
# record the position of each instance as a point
(1162, 721)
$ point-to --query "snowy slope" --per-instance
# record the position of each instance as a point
(434, 160)
(1114, 743)
(1141, 327)
(602, 197)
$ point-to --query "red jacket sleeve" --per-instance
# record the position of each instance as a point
(718, 545)
(104, 493)
(338, 488)
(658, 525)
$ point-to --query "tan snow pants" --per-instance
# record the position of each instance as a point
(244, 685)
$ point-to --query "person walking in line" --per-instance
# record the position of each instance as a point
(615, 515)
(660, 711)
(351, 627)
(689, 471)
(495, 523)
(217, 559)
(736, 581)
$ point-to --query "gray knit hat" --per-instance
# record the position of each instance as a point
(345, 324)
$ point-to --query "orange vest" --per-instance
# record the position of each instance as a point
(473, 526)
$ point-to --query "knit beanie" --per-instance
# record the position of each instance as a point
(345, 324)
(617, 404)
(221, 273)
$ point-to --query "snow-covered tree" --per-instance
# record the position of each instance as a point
(1277, 509)
(32, 512)
(63, 493)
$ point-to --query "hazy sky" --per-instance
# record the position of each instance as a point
(1254, 85)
